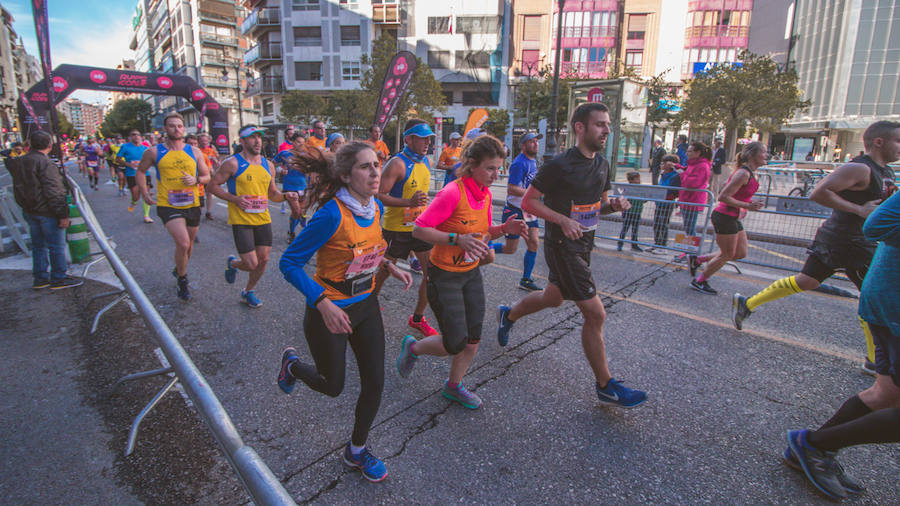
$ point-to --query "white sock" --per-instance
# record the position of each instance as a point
(356, 450)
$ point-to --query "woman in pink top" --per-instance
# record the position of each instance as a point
(734, 202)
(458, 223)
(695, 176)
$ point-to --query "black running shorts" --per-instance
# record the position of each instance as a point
(190, 215)
(570, 270)
(725, 224)
(457, 299)
(887, 352)
(248, 237)
(400, 244)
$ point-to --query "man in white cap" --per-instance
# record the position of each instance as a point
(404, 192)
(450, 157)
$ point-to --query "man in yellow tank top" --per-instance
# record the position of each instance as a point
(250, 187)
(404, 192)
(180, 168)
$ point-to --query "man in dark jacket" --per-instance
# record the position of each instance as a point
(719, 159)
(656, 157)
(40, 192)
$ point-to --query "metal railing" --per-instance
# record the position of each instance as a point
(258, 480)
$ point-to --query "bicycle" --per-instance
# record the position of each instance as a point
(809, 182)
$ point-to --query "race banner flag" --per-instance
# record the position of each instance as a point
(476, 118)
(42, 30)
(30, 109)
(399, 74)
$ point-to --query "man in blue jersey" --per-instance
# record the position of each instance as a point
(129, 155)
(293, 181)
(521, 172)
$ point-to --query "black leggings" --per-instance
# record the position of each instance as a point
(329, 351)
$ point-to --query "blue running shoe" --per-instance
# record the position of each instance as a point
(819, 466)
(230, 272)
(250, 299)
(504, 325)
(286, 380)
(850, 484)
(617, 394)
(406, 360)
(372, 468)
(462, 395)
(415, 266)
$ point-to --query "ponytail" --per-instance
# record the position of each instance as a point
(329, 169)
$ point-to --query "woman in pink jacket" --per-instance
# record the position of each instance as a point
(695, 176)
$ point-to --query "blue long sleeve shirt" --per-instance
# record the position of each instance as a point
(318, 231)
(879, 301)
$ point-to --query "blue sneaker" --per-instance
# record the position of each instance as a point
(820, 467)
(462, 395)
(250, 299)
(286, 380)
(372, 468)
(406, 360)
(504, 325)
(850, 484)
(617, 394)
(230, 272)
(415, 266)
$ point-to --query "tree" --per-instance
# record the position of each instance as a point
(66, 128)
(755, 94)
(126, 115)
(302, 108)
(343, 111)
(660, 97)
(497, 122)
(422, 99)
(542, 96)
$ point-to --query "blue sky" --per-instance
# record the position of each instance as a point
(82, 32)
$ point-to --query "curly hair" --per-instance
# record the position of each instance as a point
(478, 150)
(327, 167)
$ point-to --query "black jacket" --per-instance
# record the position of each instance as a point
(38, 186)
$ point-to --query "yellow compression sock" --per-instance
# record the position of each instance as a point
(146, 207)
(870, 342)
(781, 288)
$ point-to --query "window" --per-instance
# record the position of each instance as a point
(530, 62)
(305, 5)
(268, 107)
(350, 71)
(439, 59)
(308, 36)
(448, 97)
(308, 71)
(477, 24)
(473, 59)
(477, 98)
(349, 35)
(438, 25)
(597, 54)
(350, 3)
(637, 25)
(634, 60)
(531, 28)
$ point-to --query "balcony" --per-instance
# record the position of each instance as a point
(216, 11)
(592, 70)
(259, 53)
(267, 17)
(588, 36)
(716, 36)
(215, 38)
(219, 60)
(216, 81)
(386, 12)
(266, 85)
(715, 5)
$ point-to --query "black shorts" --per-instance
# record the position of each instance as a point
(887, 352)
(570, 270)
(202, 200)
(248, 237)
(457, 299)
(725, 224)
(131, 180)
(400, 244)
(190, 215)
(851, 256)
(509, 211)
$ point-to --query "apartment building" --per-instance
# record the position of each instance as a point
(8, 88)
(716, 31)
(86, 118)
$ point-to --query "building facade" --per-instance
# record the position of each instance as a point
(8, 88)
(86, 118)
(716, 31)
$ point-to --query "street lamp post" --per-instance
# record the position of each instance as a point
(552, 129)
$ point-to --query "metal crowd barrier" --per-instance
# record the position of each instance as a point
(660, 226)
(257, 479)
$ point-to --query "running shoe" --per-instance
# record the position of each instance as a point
(657, 251)
(209, 216)
(693, 265)
(868, 367)
(529, 285)
(423, 327)
(504, 325)
(617, 394)
(131, 207)
(462, 395)
(636, 248)
(66, 282)
(372, 468)
(406, 361)
(37, 284)
(415, 266)
(680, 259)
(820, 467)
(850, 484)
(703, 287)
(250, 298)
(148, 219)
(184, 293)
(286, 380)
(283, 209)
(739, 310)
(230, 272)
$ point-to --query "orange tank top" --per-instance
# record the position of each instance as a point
(346, 264)
(464, 220)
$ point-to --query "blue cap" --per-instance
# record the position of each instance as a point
(331, 138)
(475, 133)
(420, 130)
(530, 135)
(249, 130)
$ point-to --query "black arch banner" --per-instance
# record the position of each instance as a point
(68, 78)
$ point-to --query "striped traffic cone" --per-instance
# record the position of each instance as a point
(77, 236)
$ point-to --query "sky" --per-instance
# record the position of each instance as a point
(82, 32)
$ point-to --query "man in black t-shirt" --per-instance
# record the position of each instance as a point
(574, 187)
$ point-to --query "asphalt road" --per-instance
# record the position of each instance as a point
(712, 430)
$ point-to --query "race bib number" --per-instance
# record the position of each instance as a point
(257, 204)
(587, 215)
(410, 214)
(181, 198)
(365, 261)
(91, 163)
(528, 217)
